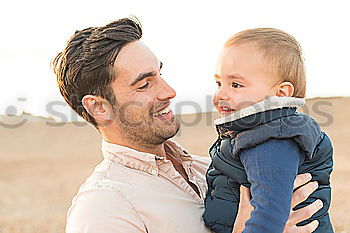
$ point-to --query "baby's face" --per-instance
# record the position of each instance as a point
(243, 78)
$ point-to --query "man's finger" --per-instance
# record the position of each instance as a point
(302, 179)
(305, 212)
(244, 195)
(311, 227)
(244, 210)
(303, 193)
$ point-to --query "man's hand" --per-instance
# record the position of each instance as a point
(302, 214)
(300, 195)
(244, 210)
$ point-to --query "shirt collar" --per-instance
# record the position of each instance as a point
(141, 160)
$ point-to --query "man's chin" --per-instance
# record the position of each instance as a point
(171, 128)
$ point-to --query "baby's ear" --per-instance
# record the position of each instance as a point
(285, 89)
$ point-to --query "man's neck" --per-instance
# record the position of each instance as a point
(142, 147)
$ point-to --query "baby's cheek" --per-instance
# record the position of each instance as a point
(215, 99)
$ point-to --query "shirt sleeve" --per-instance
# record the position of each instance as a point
(271, 168)
(102, 211)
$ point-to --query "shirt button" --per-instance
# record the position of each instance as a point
(154, 172)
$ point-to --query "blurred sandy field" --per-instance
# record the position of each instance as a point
(42, 164)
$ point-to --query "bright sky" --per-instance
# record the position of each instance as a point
(186, 35)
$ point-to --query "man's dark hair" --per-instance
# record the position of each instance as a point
(85, 65)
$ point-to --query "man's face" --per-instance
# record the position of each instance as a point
(143, 97)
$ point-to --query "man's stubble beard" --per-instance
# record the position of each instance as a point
(147, 132)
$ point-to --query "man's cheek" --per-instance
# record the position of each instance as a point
(132, 114)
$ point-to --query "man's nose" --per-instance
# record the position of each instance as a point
(166, 92)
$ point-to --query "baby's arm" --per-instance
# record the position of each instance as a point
(271, 168)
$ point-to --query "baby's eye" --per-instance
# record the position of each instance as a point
(218, 83)
(236, 85)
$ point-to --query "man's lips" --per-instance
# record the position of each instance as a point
(162, 111)
(163, 107)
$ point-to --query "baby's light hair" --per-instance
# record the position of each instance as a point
(283, 52)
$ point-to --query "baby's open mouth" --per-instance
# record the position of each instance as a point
(226, 110)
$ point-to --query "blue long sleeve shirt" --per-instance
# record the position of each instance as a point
(271, 168)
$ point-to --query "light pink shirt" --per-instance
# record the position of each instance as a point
(132, 191)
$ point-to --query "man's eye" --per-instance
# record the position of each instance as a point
(144, 86)
(236, 85)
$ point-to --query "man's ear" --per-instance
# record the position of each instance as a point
(99, 108)
(285, 89)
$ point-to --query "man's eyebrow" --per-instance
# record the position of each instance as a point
(142, 76)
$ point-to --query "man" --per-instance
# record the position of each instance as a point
(146, 182)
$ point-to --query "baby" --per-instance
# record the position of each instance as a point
(263, 142)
